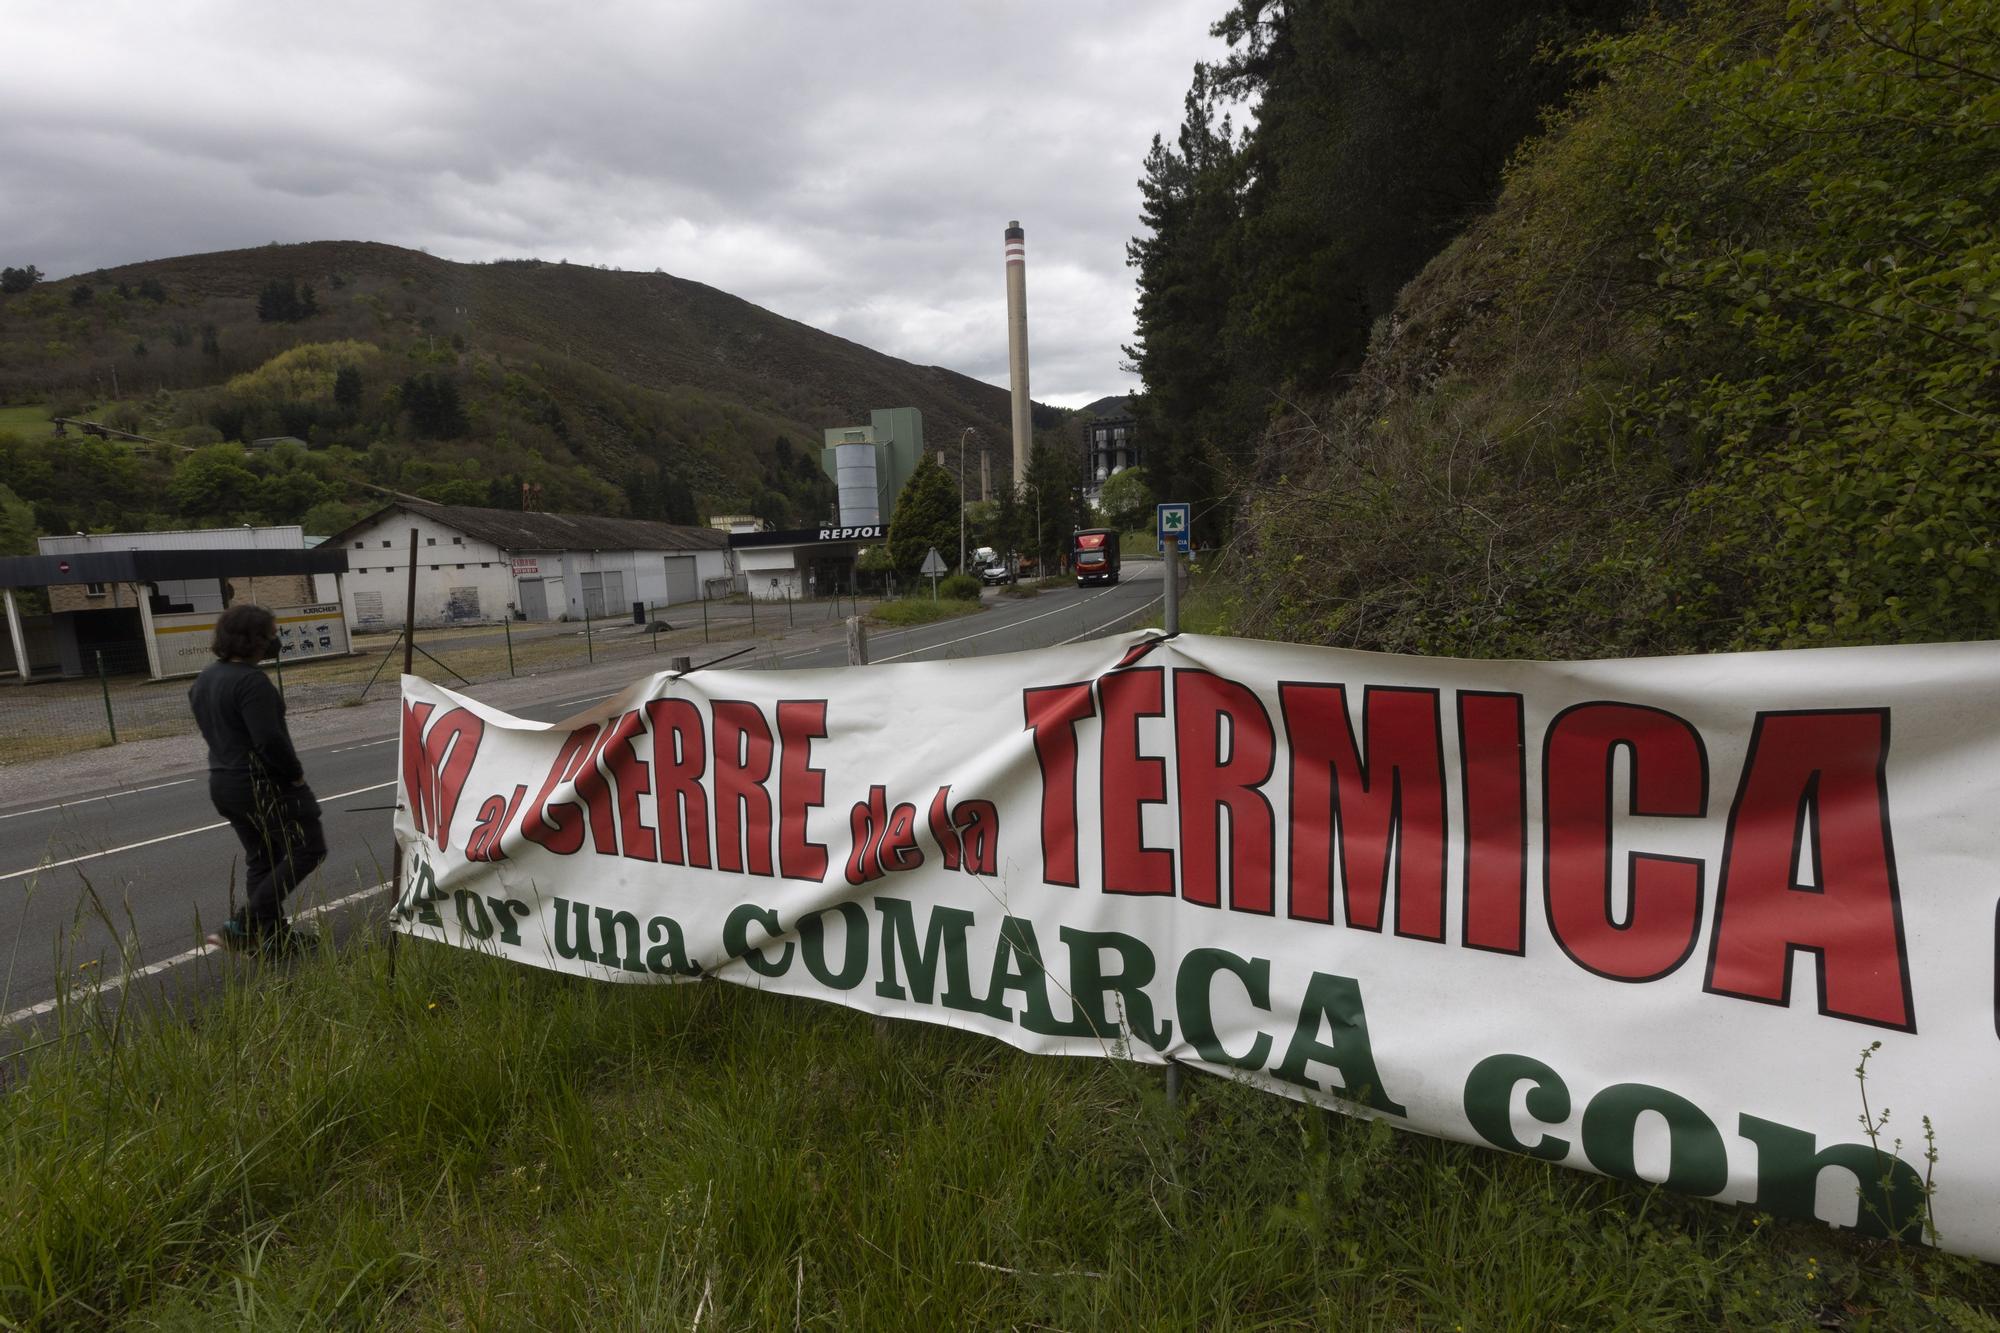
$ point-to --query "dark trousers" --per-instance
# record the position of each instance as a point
(281, 837)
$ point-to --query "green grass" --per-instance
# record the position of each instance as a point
(31, 418)
(467, 1143)
(921, 610)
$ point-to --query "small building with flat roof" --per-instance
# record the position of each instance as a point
(147, 602)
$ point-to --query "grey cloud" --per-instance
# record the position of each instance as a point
(849, 165)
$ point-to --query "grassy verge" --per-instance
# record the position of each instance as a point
(29, 418)
(921, 610)
(469, 1144)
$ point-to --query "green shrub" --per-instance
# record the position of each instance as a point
(960, 587)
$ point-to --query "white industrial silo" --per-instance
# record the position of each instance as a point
(854, 476)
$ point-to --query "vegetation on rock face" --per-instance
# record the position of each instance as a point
(1379, 129)
(1719, 371)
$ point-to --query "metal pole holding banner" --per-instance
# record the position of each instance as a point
(589, 648)
(1170, 621)
(409, 662)
(507, 628)
(104, 683)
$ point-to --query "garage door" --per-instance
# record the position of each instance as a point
(604, 594)
(682, 585)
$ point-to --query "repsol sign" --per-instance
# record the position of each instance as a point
(869, 532)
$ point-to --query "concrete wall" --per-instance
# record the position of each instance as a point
(378, 574)
(761, 565)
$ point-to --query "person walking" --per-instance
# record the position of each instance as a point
(256, 781)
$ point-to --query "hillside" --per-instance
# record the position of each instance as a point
(621, 392)
(1718, 371)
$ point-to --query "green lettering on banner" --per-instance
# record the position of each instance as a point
(578, 948)
(736, 939)
(610, 925)
(466, 898)
(424, 889)
(668, 954)
(1788, 1168)
(1017, 966)
(946, 939)
(505, 910)
(1489, 1103)
(853, 964)
(1697, 1161)
(1089, 984)
(1192, 996)
(1335, 1002)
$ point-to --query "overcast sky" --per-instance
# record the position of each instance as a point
(850, 165)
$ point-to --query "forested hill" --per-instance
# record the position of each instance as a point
(1716, 364)
(616, 392)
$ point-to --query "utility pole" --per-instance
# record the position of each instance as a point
(962, 436)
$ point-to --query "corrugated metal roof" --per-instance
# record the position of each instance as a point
(511, 530)
(283, 537)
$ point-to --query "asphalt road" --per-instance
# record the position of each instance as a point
(113, 889)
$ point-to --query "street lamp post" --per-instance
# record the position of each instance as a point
(962, 437)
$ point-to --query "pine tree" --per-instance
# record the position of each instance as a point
(926, 516)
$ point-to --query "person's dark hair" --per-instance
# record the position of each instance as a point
(245, 632)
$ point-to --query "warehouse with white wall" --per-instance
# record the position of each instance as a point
(493, 564)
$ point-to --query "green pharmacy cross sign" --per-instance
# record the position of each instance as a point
(1173, 525)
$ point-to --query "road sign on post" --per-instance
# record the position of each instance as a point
(933, 566)
(1172, 522)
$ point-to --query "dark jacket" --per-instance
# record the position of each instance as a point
(242, 718)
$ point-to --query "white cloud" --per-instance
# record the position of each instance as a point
(848, 165)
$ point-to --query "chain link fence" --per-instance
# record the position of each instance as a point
(114, 700)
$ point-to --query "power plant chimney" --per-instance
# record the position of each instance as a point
(1017, 347)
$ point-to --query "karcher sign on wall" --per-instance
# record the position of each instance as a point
(1641, 918)
(303, 631)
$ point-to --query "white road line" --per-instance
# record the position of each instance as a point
(587, 699)
(139, 973)
(165, 837)
(998, 629)
(1109, 623)
(366, 745)
(112, 795)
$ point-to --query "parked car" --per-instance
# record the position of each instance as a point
(999, 570)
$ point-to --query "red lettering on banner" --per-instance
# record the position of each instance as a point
(1213, 715)
(633, 779)
(437, 759)
(496, 816)
(545, 823)
(1493, 764)
(1669, 780)
(883, 840)
(1130, 781)
(801, 787)
(1394, 793)
(680, 758)
(865, 825)
(1052, 714)
(1809, 866)
(595, 789)
(942, 832)
(742, 800)
(419, 779)
(979, 831)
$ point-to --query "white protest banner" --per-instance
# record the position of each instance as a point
(1637, 917)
